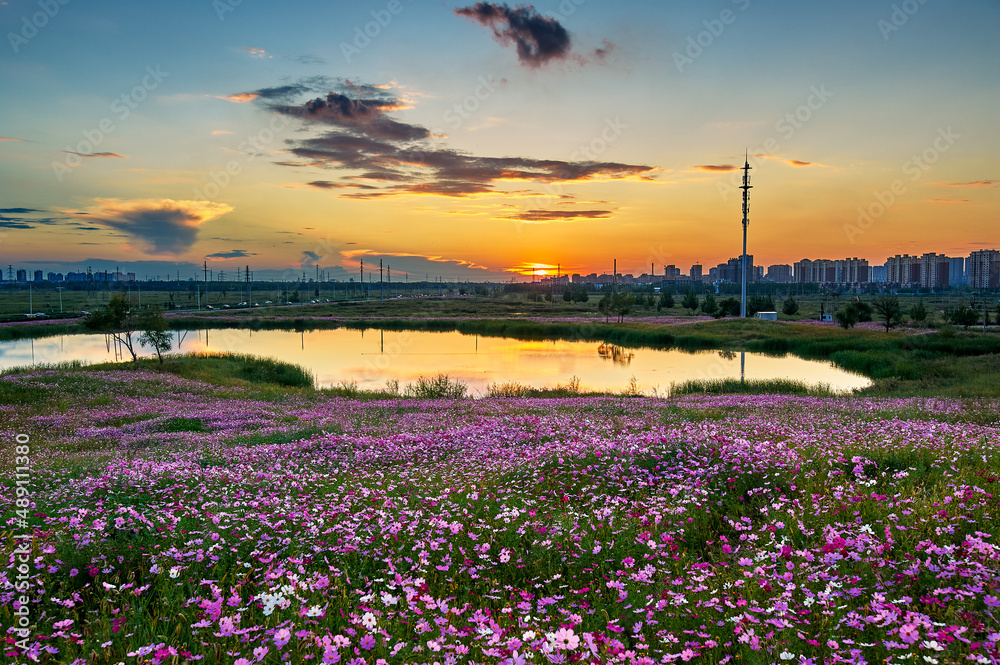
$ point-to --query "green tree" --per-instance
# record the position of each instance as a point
(666, 300)
(847, 317)
(154, 332)
(568, 295)
(888, 309)
(863, 310)
(690, 301)
(964, 316)
(709, 306)
(604, 306)
(760, 304)
(115, 319)
(622, 304)
(918, 312)
(728, 307)
(790, 307)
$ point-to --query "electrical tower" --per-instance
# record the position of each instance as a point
(746, 222)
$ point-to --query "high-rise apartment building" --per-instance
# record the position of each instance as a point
(903, 270)
(934, 271)
(780, 273)
(984, 269)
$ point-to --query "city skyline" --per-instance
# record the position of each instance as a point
(487, 142)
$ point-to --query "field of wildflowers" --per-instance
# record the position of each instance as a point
(179, 522)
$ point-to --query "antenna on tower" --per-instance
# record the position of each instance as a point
(746, 222)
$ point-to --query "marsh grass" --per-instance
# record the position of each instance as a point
(750, 387)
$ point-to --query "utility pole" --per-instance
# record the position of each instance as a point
(60, 290)
(362, 278)
(388, 271)
(746, 222)
(380, 281)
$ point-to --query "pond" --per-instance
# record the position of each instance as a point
(373, 357)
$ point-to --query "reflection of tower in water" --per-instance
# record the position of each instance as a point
(615, 354)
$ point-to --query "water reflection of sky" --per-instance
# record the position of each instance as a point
(372, 357)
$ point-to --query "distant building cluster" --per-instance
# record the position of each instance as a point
(980, 270)
(21, 276)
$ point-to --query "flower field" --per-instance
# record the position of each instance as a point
(178, 522)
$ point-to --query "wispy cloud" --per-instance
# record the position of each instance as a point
(716, 168)
(162, 226)
(255, 52)
(547, 216)
(11, 138)
(353, 255)
(947, 200)
(975, 183)
(231, 254)
(96, 154)
(241, 98)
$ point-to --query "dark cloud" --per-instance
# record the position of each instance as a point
(162, 226)
(232, 254)
(326, 184)
(797, 162)
(445, 172)
(543, 216)
(18, 221)
(538, 39)
(310, 258)
(367, 116)
(716, 167)
(385, 157)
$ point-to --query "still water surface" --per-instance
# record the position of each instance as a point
(373, 357)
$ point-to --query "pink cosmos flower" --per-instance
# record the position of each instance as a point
(281, 638)
(566, 639)
(908, 633)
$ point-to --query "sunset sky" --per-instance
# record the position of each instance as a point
(479, 141)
